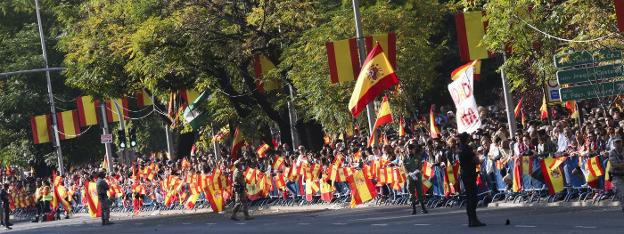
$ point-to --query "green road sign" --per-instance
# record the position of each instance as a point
(589, 74)
(585, 57)
(592, 91)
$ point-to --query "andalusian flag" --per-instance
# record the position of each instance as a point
(262, 65)
(384, 116)
(376, 76)
(194, 113)
(362, 189)
(433, 129)
(461, 70)
(68, 124)
(544, 109)
(470, 31)
(262, 150)
(553, 177)
(87, 110)
(41, 129)
(518, 109)
(237, 143)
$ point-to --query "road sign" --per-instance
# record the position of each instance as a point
(592, 91)
(586, 57)
(106, 138)
(589, 74)
(552, 91)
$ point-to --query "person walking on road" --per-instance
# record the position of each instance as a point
(240, 196)
(616, 157)
(4, 196)
(102, 189)
(412, 163)
(468, 164)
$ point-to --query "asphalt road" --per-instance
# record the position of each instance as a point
(360, 220)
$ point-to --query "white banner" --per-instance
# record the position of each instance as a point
(467, 114)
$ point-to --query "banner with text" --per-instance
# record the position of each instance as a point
(461, 91)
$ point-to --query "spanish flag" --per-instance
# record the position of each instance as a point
(594, 166)
(517, 175)
(470, 31)
(553, 177)
(384, 116)
(461, 70)
(93, 204)
(214, 197)
(427, 169)
(362, 189)
(544, 109)
(262, 150)
(237, 143)
(278, 163)
(143, 99)
(344, 63)
(387, 42)
(572, 107)
(433, 129)
(518, 109)
(401, 127)
(376, 76)
(87, 110)
(116, 107)
(619, 13)
(262, 65)
(41, 129)
(68, 124)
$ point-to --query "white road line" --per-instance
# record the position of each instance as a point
(422, 224)
(586, 227)
(186, 223)
(525, 226)
(339, 223)
(211, 223)
(303, 223)
(383, 218)
(138, 223)
(241, 223)
(379, 224)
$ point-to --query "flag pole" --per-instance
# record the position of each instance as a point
(370, 109)
(511, 121)
(57, 142)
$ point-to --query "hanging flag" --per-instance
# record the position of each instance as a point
(262, 150)
(553, 177)
(518, 109)
(362, 189)
(87, 111)
(470, 31)
(433, 129)
(194, 113)
(573, 108)
(143, 99)
(344, 64)
(262, 65)
(188, 95)
(68, 124)
(115, 107)
(461, 70)
(384, 116)
(376, 76)
(544, 109)
(40, 125)
(237, 143)
(387, 42)
(401, 127)
(619, 14)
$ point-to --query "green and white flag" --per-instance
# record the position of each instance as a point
(194, 114)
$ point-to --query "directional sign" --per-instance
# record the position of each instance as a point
(586, 57)
(589, 74)
(592, 91)
(106, 138)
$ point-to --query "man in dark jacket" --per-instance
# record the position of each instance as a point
(4, 196)
(102, 189)
(468, 164)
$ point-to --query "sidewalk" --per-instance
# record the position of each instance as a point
(555, 204)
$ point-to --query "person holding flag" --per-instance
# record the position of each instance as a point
(412, 162)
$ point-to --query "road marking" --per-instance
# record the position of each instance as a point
(379, 224)
(525, 226)
(211, 223)
(384, 218)
(586, 227)
(186, 223)
(241, 223)
(138, 223)
(339, 223)
(303, 223)
(422, 224)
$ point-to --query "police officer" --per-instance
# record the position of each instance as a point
(468, 164)
(4, 197)
(240, 196)
(412, 162)
(102, 189)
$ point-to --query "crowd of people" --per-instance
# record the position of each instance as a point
(578, 154)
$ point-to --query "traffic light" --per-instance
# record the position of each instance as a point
(133, 140)
(122, 138)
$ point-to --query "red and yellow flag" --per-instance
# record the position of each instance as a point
(553, 177)
(470, 31)
(594, 166)
(116, 106)
(87, 111)
(376, 76)
(262, 65)
(461, 70)
(278, 163)
(189, 95)
(517, 175)
(344, 64)
(262, 150)
(433, 129)
(518, 109)
(387, 41)
(93, 204)
(384, 116)
(544, 109)
(68, 124)
(572, 107)
(619, 13)
(237, 143)
(215, 198)
(427, 169)
(143, 99)
(401, 127)
(41, 129)
(362, 189)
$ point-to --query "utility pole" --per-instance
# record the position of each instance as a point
(370, 109)
(108, 147)
(56, 139)
(122, 127)
(511, 120)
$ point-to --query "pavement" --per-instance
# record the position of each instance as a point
(358, 220)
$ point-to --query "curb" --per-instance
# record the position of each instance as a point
(556, 204)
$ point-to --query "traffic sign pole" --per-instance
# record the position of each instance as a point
(109, 148)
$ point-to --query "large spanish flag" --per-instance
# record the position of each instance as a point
(433, 129)
(262, 65)
(376, 76)
(344, 64)
(387, 41)
(384, 116)
(68, 125)
(87, 110)
(470, 31)
(362, 189)
(40, 125)
(619, 13)
(116, 106)
(458, 72)
(553, 177)
(237, 143)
